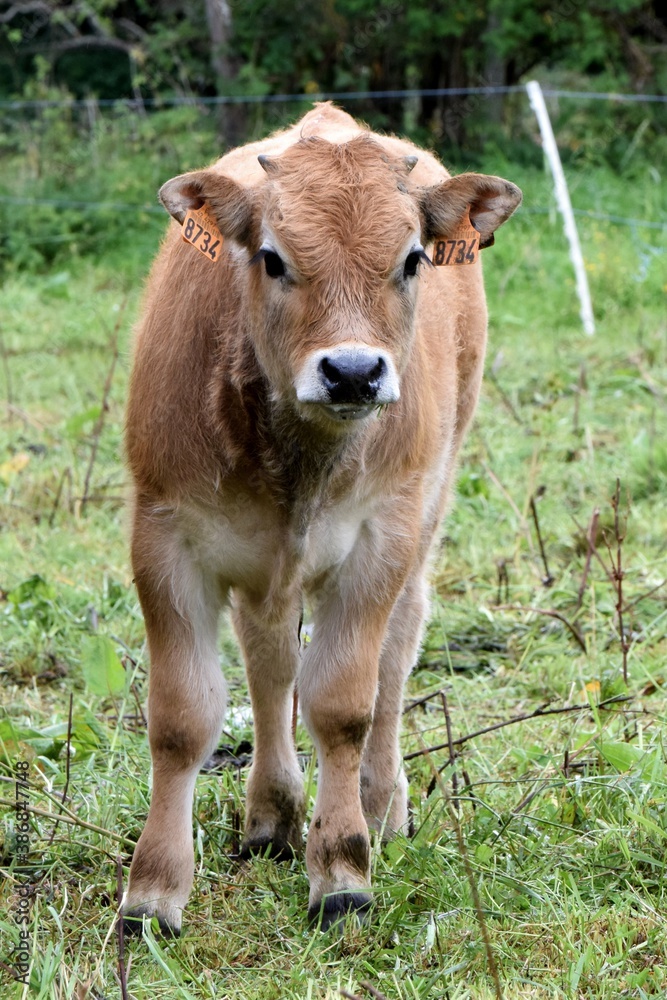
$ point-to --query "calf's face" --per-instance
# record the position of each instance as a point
(335, 238)
(335, 278)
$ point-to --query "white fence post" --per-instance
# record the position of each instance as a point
(565, 205)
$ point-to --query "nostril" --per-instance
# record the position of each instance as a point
(356, 370)
(331, 373)
(378, 371)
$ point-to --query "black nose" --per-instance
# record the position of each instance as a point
(352, 376)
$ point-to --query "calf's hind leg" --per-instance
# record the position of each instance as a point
(186, 704)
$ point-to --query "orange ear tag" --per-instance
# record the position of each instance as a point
(201, 229)
(462, 247)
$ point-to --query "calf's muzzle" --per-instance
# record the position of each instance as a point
(348, 380)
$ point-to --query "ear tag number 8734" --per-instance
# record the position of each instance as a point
(461, 247)
(201, 230)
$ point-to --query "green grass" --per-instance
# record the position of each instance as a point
(563, 816)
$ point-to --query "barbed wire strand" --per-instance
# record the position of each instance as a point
(354, 95)
(83, 205)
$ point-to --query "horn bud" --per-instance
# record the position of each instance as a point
(268, 164)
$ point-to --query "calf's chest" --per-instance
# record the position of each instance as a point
(249, 545)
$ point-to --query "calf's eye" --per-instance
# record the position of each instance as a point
(273, 265)
(412, 263)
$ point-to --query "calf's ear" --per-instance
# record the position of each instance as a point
(489, 200)
(230, 203)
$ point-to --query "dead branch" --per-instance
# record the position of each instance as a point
(121, 930)
(67, 475)
(642, 597)
(25, 417)
(97, 431)
(468, 788)
(67, 766)
(34, 7)
(496, 482)
(452, 752)
(92, 42)
(503, 580)
(372, 990)
(547, 579)
(72, 819)
(550, 614)
(8, 376)
(608, 573)
(507, 402)
(581, 387)
(470, 875)
(543, 710)
(421, 701)
(591, 536)
(618, 575)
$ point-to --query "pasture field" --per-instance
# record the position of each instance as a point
(537, 866)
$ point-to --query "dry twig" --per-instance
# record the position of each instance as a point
(67, 475)
(372, 990)
(618, 575)
(452, 752)
(470, 875)
(97, 430)
(507, 402)
(74, 821)
(121, 930)
(543, 710)
(581, 388)
(67, 766)
(8, 375)
(547, 579)
(503, 580)
(591, 536)
(422, 701)
(550, 614)
(496, 482)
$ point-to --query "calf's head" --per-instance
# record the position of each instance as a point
(333, 243)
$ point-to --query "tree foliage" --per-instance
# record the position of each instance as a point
(124, 49)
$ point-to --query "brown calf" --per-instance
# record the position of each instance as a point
(296, 406)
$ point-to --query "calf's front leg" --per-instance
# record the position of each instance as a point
(384, 787)
(337, 691)
(186, 703)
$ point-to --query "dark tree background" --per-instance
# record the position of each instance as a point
(118, 49)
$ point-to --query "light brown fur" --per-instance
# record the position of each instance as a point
(243, 494)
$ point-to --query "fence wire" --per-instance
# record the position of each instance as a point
(341, 95)
(136, 106)
(115, 206)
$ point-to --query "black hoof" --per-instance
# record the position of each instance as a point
(336, 907)
(133, 924)
(277, 850)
